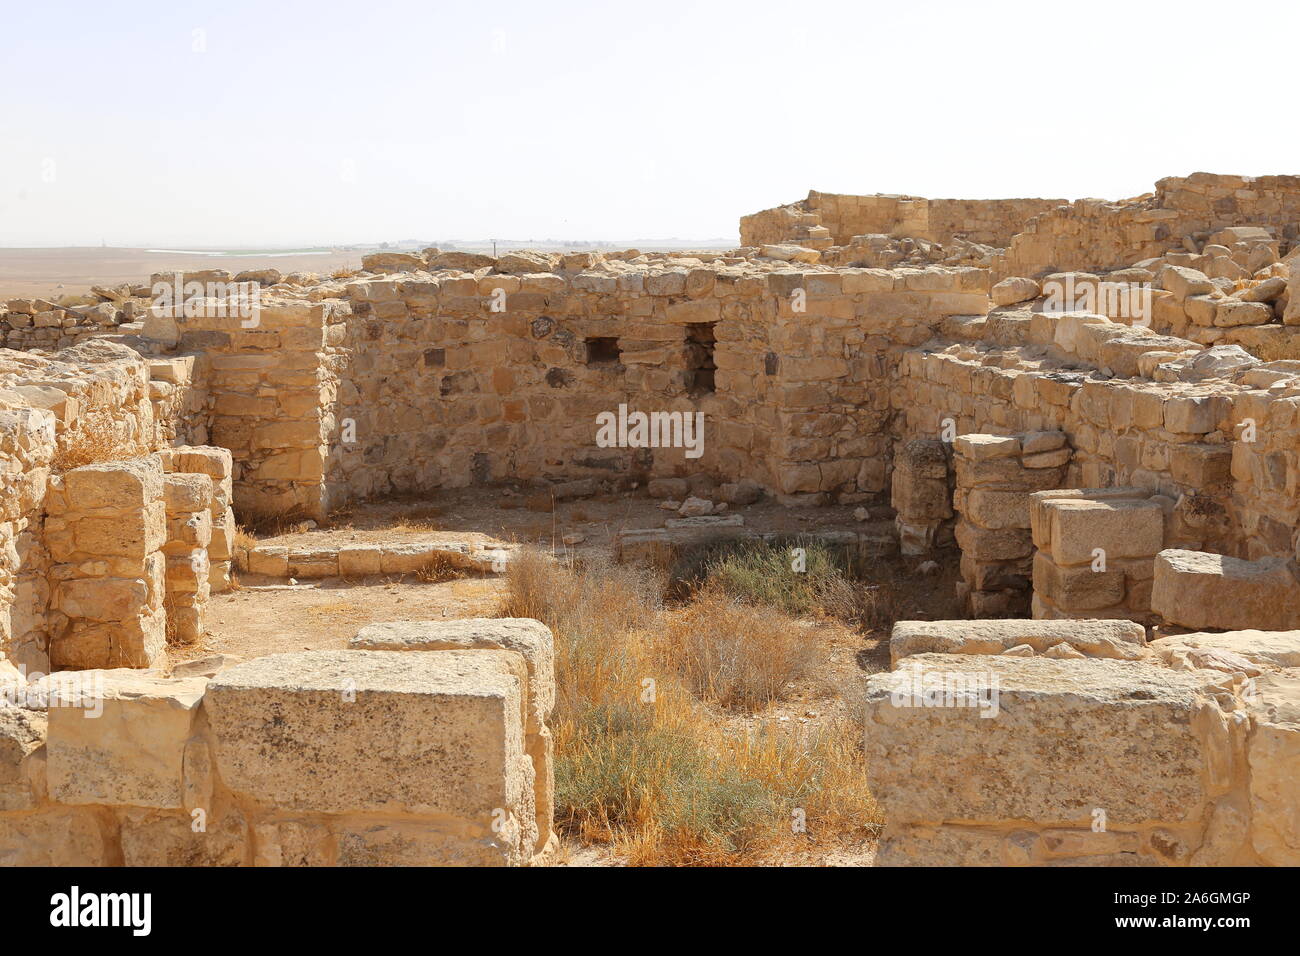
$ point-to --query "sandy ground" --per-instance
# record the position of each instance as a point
(51, 272)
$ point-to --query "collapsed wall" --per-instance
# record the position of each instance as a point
(825, 219)
(1094, 235)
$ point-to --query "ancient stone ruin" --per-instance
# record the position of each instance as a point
(1095, 403)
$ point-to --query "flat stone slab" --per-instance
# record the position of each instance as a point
(1124, 640)
(531, 639)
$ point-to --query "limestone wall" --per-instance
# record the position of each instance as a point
(1095, 235)
(841, 217)
(1191, 441)
(324, 758)
(796, 395)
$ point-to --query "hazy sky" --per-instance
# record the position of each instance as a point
(173, 123)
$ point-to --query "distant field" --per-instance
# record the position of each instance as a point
(47, 272)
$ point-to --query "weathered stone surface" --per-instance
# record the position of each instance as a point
(131, 753)
(58, 836)
(1144, 758)
(1274, 756)
(438, 735)
(1199, 590)
(22, 735)
(531, 639)
(1247, 652)
(150, 838)
(1123, 640)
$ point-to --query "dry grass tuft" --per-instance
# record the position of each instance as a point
(645, 759)
(799, 577)
(92, 444)
(440, 568)
(735, 654)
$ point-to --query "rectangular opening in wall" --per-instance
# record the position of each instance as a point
(603, 352)
(699, 358)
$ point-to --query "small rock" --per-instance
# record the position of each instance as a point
(1020, 650)
(927, 567)
(574, 538)
(694, 507)
(1013, 290)
(1064, 652)
(861, 514)
(740, 493)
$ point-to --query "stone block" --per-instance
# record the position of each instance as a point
(1122, 640)
(1121, 528)
(435, 735)
(1197, 590)
(1073, 735)
(132, 752)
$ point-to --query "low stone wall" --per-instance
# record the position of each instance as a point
(324, 758)
(1021, 758)
(477, 553)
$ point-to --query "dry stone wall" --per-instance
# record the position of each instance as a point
(1091, 234)
(836, 218)
(995, 478)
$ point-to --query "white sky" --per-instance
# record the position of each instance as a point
(329, 122)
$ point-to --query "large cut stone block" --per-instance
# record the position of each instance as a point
(531, 639)
(1121, 528)
(1200, 590)
(376, 732)
(131, 752)
(1035, 739)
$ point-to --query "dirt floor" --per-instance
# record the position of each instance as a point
(26, 273)
(266, 617)
(525, 517)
